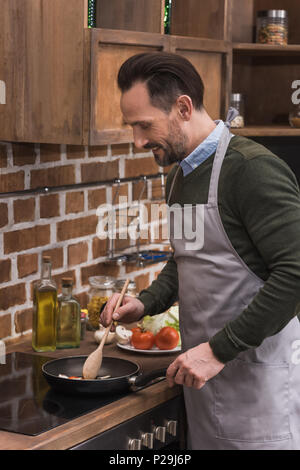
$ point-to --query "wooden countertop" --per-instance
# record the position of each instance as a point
(83, 428)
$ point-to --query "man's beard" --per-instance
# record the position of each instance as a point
(175, 148)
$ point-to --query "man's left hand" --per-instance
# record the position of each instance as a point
(194, 367)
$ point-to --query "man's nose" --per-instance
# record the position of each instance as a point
(140, 140)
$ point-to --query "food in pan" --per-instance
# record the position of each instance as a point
(63, 376)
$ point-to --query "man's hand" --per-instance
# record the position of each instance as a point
(194, 367)
(131, 310)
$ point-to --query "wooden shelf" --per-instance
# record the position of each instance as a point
(265, 49)
(267, 131)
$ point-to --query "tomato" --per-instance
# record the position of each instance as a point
(142, 340)
(167, 338)
(136, 329)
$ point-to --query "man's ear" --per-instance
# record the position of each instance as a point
(184, 107)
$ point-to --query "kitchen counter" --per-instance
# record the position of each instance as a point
(85, 427)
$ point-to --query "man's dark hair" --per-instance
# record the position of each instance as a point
(166, 75)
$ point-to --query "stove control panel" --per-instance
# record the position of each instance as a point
(161, 427)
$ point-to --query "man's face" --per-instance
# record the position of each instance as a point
(152, 127)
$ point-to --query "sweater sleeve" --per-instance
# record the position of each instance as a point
(163, 292)
(268, 204)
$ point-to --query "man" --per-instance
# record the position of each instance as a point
(238, 280)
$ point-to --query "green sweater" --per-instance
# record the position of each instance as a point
(259, 204)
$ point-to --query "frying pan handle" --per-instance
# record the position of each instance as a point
(140, 381)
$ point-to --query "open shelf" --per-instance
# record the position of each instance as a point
(265, 131)
(265, 49)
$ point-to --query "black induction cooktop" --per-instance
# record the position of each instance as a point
(28, 405)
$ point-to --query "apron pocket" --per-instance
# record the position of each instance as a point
(252, 402)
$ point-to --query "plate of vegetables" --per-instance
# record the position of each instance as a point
(157, 334)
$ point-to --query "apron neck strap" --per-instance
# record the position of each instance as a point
(219, 157)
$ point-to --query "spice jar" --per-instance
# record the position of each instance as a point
(131, 289)
(83, 322)
(237, 102)
(272, 27)
(101, 288)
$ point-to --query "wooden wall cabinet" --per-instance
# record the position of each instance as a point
(60, 76)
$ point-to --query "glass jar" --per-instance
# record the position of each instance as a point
(272, 27)
(237, 102)
(83, 322)
(131, 289)
(101, 288)
(294, 116)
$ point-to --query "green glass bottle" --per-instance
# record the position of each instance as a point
(92, 13)
(68, 321)
(44, 310)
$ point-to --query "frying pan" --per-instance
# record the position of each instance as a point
(124, 375)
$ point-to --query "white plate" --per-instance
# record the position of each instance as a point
(154, 350)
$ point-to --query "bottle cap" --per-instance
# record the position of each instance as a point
(67, 281)
(46, 259)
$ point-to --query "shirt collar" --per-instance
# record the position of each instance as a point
(203, 151)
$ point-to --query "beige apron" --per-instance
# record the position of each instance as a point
(254, 402)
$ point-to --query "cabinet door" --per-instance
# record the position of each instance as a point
(109, 49)
(212, 60)
(42, 67)
(135, 15)
(199, 18)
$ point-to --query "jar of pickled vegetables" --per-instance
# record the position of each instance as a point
(101, 288)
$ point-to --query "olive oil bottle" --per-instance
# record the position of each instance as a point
(44, 310)
(68, 321)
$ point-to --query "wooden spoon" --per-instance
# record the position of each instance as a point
(93, 362)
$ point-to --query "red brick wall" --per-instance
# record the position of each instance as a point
(62, 224)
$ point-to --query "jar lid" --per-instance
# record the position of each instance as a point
(67, 281)
(236, 97)
(102, 282)
(272, 14)
(120, 283)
